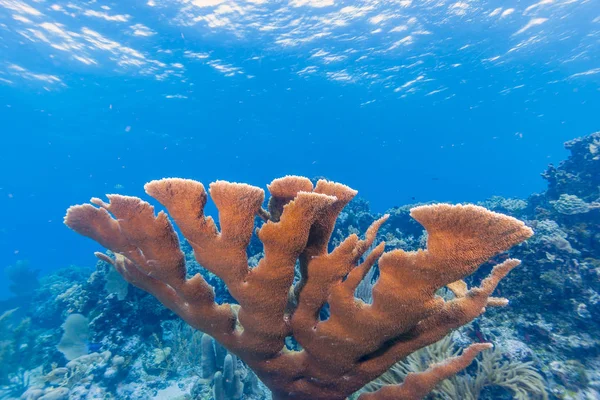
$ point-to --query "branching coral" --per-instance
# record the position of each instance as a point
(521, 378)
(359, 341)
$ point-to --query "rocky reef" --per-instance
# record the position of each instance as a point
(83, 334)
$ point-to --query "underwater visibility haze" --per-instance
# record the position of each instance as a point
(466, 128)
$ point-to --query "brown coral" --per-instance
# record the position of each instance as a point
(359, 341)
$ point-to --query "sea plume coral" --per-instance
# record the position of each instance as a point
(359, 341)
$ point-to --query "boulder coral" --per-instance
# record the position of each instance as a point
(359, 341)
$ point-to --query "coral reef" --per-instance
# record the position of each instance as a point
(405, 314)
(137, 349)
(578, 175)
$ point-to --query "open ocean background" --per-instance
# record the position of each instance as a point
(405, 101)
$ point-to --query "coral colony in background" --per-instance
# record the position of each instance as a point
(314, 297)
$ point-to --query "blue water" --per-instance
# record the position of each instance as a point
(101, 97)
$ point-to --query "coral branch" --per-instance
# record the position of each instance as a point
(460, 289)
(417, 385)
(148, 256)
